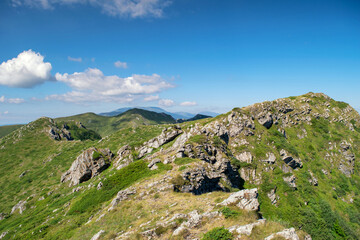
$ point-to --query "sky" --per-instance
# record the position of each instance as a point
(65, 57)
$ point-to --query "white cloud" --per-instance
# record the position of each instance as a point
(11, 100)
(120, 8)
(119, 64)
(93, 85)
(166, 102)
(26, 70)
(6, 112)
(74, 59)
(151, 98)
(187, 104)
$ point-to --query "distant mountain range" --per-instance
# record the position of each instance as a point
(175, 115)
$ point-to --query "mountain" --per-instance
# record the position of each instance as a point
(175, 115)
(196, 117)
(5, 130)
(105, 125)
(282, 169)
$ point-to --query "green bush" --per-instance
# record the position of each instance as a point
(229, 213)
(219, 233)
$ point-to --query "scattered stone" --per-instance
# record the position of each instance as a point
(270, 158)
(99, 186)
(288, 234)
(246, 199)
(291, 181)
(245, 157)
(153, 162)
(273, 197)
(313, 180)
(3, 234)
(121, 196)
(2, 216)
(89, 164)
(292, 162)
(193, 221)
(23, 173)
(245, 229)
(19, 206)
(98, 235)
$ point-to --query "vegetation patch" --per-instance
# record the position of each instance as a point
(218, 233)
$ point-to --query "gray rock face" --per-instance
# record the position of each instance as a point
(245, 157)
(291, 181)
(89, 164)
(19, 206)
(245, 229)
(292, 162)
(121, 196)
(288, 234)
(270, 158)
(347, 164)
(97, 236)
(166, 136)
(193, 221)
(59, 134)
(246, 199)
(265, 119)
(123, 157)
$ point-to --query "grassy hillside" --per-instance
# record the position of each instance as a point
(5, 130)
(319, 132)
(106, 125)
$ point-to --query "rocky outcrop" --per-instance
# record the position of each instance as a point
(245, 229)
(245, 157)
(270, 158)
(166, 136)
(289, 160)
(265, 119)
(97, 236)
(313, 180)
(273, 197)
(291, 181)
(347, 163)
(121, 196)
(246, 199)
(288, 234)
(123, 157)
(89, 164)
(3, 234)
(19, 206)
(194, 219)
(59, 133)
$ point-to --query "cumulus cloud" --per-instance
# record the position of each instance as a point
(93, 85)
(166, 102)
(11, 100)
(188, 104)
(121, 8)
(26, 70)
(119, 64)
(74, 59)
(151, 98)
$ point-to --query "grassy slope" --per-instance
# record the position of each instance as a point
(5, 130)
(327, 213)
(107, 125)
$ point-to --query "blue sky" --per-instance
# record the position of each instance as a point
(58, 56)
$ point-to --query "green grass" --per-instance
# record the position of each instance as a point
(218, 233)
(183, 161)
(5, 130)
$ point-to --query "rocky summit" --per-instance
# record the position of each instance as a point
(282, 169)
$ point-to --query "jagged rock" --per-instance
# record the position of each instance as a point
(19, 206)
(200, 180)
(272, 196)
(166, 136)
(149, 234)
(193, 221)
(245, 229)
(59, 134)
(154, 162)
(292, 162)
(121, 196)
(313, 180)
(307, 237)
(325, 171)
(23, 173)
(245, 157)
(290, 180)
(247, 173)
(3, 234)
(270, 158)
(98, 235)
(265, 119)
(87, 165)
(99, 186)
(123, 157)
(246, 199)
(288, 234)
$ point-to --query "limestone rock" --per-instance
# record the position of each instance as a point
(2, 216)
(245, 229)
(288, 234)
(273, 197)
(270, 158)
(19, 206)
(123, 157)
(194, 220)
(313, 180)
(246, 199)
(87, 165)
(3, 234)
(121, 196)
(265, 119)
(98, 235)
(290, 180)
(153, 163)
(292, 162)
(245, 157)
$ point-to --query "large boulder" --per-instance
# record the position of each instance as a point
(246, 199)
(19, 206)
(89, 164)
